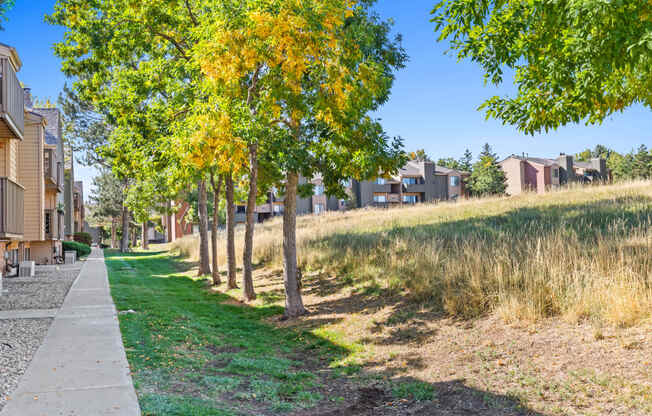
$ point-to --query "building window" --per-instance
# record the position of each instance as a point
(410, 199)
(48, 223)
(455, 181)
(319, 208)
(319, 190)
(241, 209)
(380, 198)
(555, 173)
(410, 181)
(380, 181)
(27, 254)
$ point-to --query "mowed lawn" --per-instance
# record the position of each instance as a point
(194, 351)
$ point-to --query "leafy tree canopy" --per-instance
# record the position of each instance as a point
(570, 60)
(5, 6)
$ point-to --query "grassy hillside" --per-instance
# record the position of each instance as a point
(581, 253)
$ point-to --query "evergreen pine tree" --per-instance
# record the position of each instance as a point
(487, 178)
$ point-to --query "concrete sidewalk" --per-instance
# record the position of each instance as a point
(81, 368)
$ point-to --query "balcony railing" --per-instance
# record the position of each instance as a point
(12, 99)
(12, 209)
(53, 170)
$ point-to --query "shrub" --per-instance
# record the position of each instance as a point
(84, 238)
(81, 248)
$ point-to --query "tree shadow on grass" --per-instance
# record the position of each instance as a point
(192, 351)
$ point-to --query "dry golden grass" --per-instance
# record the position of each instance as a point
(579, 253)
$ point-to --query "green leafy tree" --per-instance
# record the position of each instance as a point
(642, 163)
(620, 166)
(316, 70)
(450, 163)
(487, 178)
(107, 200)
(571, 61)
(5, 6)
(584, 156)
(419, 155)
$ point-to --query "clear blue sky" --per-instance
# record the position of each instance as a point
(433, 104)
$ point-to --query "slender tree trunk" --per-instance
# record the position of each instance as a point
(145, 228)
(293, 301)
(114, 233)
(124, 241)
(204, 262)
(216, 217)
(247, 266)
(230, 234)
(134, 237)
(168, 221)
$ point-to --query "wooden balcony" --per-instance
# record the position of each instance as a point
(12, 209)
(12, 100)
(53, 170)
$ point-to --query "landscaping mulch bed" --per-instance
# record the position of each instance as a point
(19, 340)
(46, 290)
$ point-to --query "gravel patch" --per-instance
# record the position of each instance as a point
(19, 340)
(46, 290)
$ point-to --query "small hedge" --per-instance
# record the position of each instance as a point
(84, 238)
(81, 248)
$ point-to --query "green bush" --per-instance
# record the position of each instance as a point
(84, 238)
(81, 248)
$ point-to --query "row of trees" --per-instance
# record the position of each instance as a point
(636, 164)
(267, 90)
(225, 93)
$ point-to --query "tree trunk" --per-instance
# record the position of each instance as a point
(216, 216)
(134, 236)
(204, 262)
(293, 302)
(230, 234)
(114, 233)
(247, 266)
(124, 241)
(145, 228)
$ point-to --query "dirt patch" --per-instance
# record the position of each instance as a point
(369, 399)
(233, 302)
(223, 349)
(483, 366)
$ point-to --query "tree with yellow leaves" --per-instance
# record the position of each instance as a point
(308, 72)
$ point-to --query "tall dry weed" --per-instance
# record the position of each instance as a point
(580, 253)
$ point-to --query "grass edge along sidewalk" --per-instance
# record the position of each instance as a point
(194, 352)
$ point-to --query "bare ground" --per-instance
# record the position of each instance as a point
(483, 366)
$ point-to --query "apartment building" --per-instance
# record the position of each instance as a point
(535, 174)
(79, 214)
(12, 132)
(42, 173)
(175, 224)
(32, 178)
(69, 193)
(416, 182)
